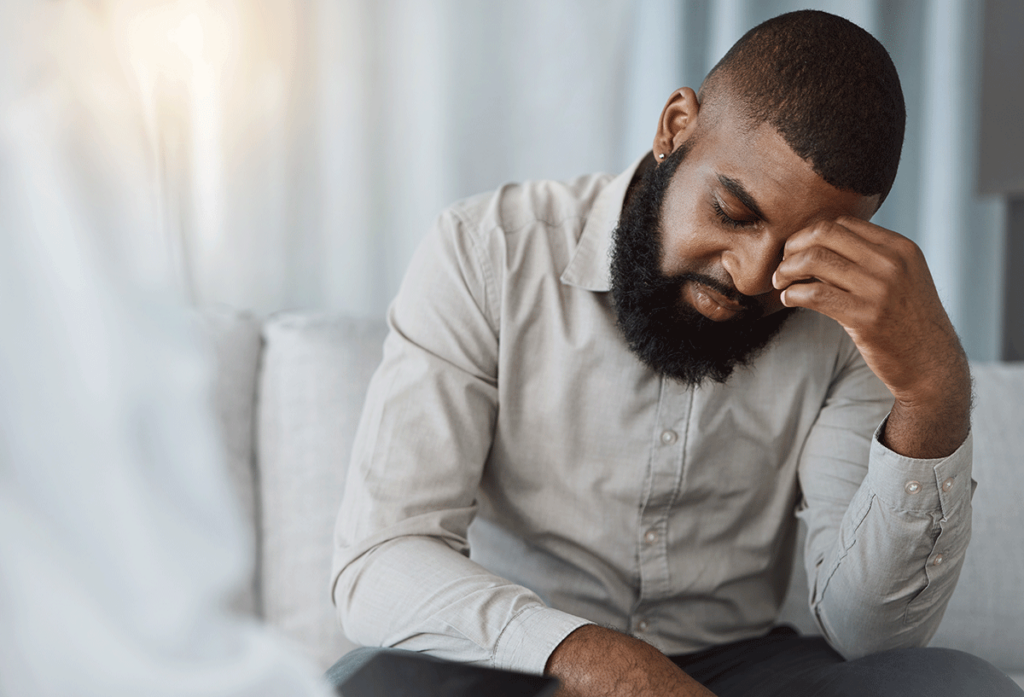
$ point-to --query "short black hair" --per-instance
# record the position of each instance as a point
(828, 87)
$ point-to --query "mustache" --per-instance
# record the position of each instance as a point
(726, 289)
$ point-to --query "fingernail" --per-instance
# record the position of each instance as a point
(775, 279)
(783, 299)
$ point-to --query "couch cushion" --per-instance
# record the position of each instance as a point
(985, 616)
(234, 341)
(315, 372)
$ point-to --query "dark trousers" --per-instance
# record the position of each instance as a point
(785, 664)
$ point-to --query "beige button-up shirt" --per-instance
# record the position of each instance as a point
(599, 491)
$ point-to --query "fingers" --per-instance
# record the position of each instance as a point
(843, 306)
(840, 237)
(845, 233)
(818, 264)
(847, 253)
(876, 284)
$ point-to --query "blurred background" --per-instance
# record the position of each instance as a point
(302, 148)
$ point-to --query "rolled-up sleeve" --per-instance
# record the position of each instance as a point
(402, 576)
(887, 534)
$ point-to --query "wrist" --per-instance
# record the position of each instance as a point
(929, 427)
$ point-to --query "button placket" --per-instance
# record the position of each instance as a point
(665, 475)
(949, 490)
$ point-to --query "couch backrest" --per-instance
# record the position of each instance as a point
(312, 385)
(314, 372)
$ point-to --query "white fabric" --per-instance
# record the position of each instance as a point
(120, 539)
(233, 338)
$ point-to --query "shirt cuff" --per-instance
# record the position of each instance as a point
(920, 485)
(531, 637)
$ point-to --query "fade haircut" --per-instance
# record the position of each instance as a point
(827, 86)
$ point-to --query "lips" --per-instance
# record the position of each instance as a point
(710, 302)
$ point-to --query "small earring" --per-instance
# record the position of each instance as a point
(661, 156)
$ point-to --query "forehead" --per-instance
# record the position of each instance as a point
(784, 185)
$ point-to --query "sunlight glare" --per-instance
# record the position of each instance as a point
(178, 51)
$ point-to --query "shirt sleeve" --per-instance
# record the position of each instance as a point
(402, 576)
(886, 533)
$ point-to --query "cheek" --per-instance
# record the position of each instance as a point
(689, 244)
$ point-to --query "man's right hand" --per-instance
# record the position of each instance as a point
(598, 662)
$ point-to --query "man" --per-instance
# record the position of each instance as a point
(631, 419)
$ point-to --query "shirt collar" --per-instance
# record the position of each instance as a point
(590, 266)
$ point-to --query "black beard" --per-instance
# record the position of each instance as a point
(664, 332)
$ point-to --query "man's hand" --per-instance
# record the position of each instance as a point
(876, 284)
(598, 662)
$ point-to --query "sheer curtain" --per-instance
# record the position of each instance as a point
(345, 126)
(120, 536)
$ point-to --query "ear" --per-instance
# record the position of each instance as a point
(678, 122)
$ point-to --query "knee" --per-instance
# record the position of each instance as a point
(350, 663)
(934, 672)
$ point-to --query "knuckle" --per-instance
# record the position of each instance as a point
(821, 230)
(877, 292)
(822, 256)
(908, 249)
(892, 267)
(872, 314)
(914, 251)
(813, 293)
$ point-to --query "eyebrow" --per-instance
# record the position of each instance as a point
(737, 190)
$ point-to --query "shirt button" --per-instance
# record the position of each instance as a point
(948, 484)
(937, 560)
(668, 437)
(642, 626)
(913, 487)
(651, 536)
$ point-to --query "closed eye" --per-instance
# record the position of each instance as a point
(730, 222)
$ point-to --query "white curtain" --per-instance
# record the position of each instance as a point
(120, 538)
(344, 126)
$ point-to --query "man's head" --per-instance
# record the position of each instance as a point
(801, 121)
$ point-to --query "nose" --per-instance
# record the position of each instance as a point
(751, 263)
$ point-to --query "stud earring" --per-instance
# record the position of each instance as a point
(661, 156)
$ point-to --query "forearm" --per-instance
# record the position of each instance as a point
(932, 422)
(418, 593)
(886, 578)
(598, 662)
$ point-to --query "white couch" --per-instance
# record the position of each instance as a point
(288, 395)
